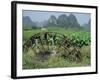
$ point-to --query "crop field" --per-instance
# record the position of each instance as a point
(76, 54)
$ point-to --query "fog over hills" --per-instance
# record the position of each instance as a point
(27, 22)
(62, 21)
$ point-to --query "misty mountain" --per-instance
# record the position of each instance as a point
(63, 21)
(51, 22)
(73, 21)
(27, 22)
(87, 26)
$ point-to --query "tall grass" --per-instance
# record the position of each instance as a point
(32, 61)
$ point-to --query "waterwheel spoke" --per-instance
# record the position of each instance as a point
(53, 43)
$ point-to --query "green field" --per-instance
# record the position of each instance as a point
(79, 37)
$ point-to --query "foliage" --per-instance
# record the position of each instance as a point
(77, 36)
(31, 61)
(81, 39)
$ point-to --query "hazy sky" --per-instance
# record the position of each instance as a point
(44, 15)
